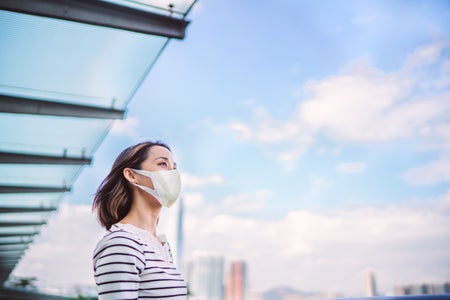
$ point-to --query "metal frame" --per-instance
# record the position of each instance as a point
(21, 223)
(13, 189)
(14, 243)
(102, 14)
(18, 105)
(14, 234)
(13, 210)
(24, 158)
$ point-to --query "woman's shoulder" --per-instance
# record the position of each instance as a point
(118, 244)
(119, 235)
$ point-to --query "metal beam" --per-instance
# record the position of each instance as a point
(14, 243)
(13, 189)
(14, 234)
(24, 158)
(11, 254)
(10, 259)
(9, 263)
(6, 210)
(19, 105)
(22, 247)
(21, 223)
(16, 240)
(101, 13)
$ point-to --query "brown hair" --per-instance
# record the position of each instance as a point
(112, 200)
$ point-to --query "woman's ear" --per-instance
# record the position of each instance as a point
(129, 175)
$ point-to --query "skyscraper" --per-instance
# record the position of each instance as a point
(371, 289)
(236, 284)
(179, 252)
(206, 277)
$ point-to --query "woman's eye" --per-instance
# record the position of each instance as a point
(163, 164)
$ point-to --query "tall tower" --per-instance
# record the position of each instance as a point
(180, 236)
(236, 285)
(371, 288)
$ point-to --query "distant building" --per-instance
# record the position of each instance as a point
(236, 284)
(371, 287)
(179, 252)
(422, 289)
(205, 278)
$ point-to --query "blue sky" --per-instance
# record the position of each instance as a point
(313, 138)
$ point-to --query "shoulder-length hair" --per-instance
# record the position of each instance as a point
(112, 200)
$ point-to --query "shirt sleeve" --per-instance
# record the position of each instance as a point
(118, 261)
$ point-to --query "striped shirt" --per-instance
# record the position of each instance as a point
(130, 263)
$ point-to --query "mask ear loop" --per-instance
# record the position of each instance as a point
(153, 192)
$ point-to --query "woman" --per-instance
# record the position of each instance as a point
(131, 261)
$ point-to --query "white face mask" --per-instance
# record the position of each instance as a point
(167, 185)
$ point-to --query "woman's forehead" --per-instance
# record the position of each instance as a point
(159, 151)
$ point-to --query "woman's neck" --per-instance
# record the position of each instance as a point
(143, 216)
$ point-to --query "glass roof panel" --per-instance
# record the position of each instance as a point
(15, 239)
(24, 217)
(38, 175)
(71, 62)
(51, 135)
(61, 61)
(19, 229)
(13, 247)
(174, 8)
(30, 200)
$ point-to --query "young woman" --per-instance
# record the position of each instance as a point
(131, 261)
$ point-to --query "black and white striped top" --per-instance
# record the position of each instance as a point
(130, 263)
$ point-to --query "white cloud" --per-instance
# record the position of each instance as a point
(367, 105)
(433, 172)
(246, 202)
(244, 132)
(351, 167)
(62, 254)
(318, 184)
(425, 55)
(126, 127)
(192, 200)
(329, 251)
(363, 105)
(313, 251)
(443, 203)
(190, 180)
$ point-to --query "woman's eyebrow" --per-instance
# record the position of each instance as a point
(162, 157)
(166, 159)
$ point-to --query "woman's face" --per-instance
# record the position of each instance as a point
(159, 159)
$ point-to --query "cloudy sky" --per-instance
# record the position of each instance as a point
(313, 141)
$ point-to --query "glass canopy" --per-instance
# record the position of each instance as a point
(67, 70)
